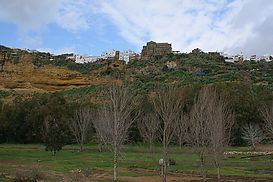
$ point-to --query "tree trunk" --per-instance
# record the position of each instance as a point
(217, 165)
(253, 146)
(164, 170)
(100, 147)
(165, 156)
(115, 164)
(180, 143)
(202, 166)
(218, 173)
(151, 146)
(81, 147)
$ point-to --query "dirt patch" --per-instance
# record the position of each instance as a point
(24, 172)
(185, 178)
(173, 177)
(190, 178)
(264, 148)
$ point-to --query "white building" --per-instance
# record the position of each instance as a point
(229, 60)
(73, 57)
(108, 54)
(266, 58)
(176, 52)
(125, 55)
(86, 58)
(254, 58)
(232, 58)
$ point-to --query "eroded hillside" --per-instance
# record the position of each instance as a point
(19, 73)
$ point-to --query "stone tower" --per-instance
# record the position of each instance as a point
(153, 49)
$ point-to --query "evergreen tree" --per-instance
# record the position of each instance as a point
(54, 134)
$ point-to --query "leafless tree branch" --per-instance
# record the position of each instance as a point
(115, 119)
(181, 130)
(148, 125)
(212, 121)
(267, 113)
(80, 124)
(252, 134)
(168, 104)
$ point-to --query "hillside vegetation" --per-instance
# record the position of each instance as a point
(33, 84)
(42, 72)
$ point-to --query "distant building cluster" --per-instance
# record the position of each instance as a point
(153, 49)
(240, 57)
(125, 56)
(150, 50)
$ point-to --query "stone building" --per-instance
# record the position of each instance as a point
(153, 49)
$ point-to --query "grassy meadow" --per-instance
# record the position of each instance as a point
(136, 160)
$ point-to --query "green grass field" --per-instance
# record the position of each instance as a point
(14, 157)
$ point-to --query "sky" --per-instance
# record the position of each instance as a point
(94, 26)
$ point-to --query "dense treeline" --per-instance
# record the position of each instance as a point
(21, 121)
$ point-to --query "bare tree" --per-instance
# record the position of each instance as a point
(168, 104)
(102, 125)
(212, 123)
(148, 126)
(252, 134)
(181, 130)
(199, 131)
(114, 120)
(267, 113)
(220, 122)
(80, 124)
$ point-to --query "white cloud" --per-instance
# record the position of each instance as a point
(31, 41)
(74, 15)
(208, 24)
(65, 50)
(182, 22)
(229, 25)
(30, 14)
(33, 15)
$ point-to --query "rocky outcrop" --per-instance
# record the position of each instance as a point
(19, 73)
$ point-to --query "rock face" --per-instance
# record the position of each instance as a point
(153, 49)
(171, 64)
(17, 72)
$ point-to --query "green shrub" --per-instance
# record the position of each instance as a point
(4, 93)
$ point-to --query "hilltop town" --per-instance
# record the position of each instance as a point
(149, 51)
(158, 49)
(153, 49)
